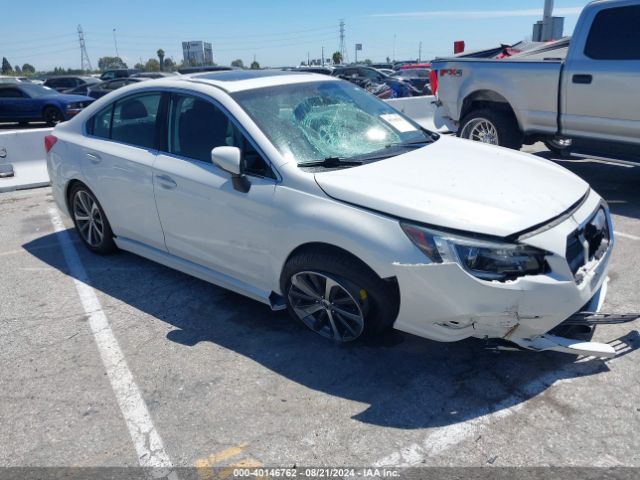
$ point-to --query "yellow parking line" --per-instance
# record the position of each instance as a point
(204, 465)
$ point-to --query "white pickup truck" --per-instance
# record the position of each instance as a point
(585, 90)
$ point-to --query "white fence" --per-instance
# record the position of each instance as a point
(24, 151)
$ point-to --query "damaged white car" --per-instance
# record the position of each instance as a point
(305, 192)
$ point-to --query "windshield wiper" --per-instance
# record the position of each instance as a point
(330, 162)
(414, 143)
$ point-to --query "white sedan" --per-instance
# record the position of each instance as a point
(304, 192)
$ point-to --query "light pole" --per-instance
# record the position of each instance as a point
(115, 42)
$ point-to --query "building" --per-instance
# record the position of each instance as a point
(197, 53)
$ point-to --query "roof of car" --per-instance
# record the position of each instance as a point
(237, 80)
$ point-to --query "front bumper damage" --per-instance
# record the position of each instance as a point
(521, 312)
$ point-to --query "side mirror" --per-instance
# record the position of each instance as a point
(229, 159)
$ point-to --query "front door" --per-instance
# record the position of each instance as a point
(205, 220)
(601, 81)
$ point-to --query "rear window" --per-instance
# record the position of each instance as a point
(615, 35)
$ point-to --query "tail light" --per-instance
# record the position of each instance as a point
(433, 81)
(49, 142)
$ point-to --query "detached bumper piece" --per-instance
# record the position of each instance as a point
(590, 318)
(549, 342)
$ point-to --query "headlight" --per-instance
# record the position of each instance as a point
(484, 259)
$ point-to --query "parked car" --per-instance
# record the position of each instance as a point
(205, 68)
(588, 92)
(68, 82)
(117, 73)
(318, 69)
(153, 74)
(8, 79)
(83, 89)
(387, 71)
(418, 77)
(301, 192)
(25, 102)
(101, 89)
(376, 82)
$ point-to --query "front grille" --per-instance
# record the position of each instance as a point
(588, 243)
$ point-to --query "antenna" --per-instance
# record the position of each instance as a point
(85, 63)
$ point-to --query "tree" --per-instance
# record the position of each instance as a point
(139, 66)
(160, 54)
(152, 65)
(6, 66)
(28, 68)
(169, 65)
(255, 65)
(337, 58)
(237, 63)
(367, 61)
(18, 70)
(105, 63)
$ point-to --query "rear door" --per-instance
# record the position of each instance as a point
(601, 85)
(119, 152)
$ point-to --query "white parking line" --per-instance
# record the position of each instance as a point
(626, 235)
(146, 440)
(443, 438)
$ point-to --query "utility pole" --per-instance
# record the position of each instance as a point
(394, 47)
(420, 52)
(115, 42)
(343, 48)
(85, 63)
(323, 55)
(308, 60)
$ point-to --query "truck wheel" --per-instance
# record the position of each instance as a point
(494, 127)
(559, 146)
(337, 296)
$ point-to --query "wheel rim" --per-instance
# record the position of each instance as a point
(326, 306)
(88, 218)
(481, 130)
(53, 116)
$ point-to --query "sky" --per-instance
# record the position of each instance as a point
(276, 32)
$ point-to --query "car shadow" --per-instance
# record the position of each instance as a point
(406, 382)
(616, 182)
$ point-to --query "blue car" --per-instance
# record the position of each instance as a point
(23, 103)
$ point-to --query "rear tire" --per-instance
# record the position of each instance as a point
(495, 127)
(90, 221)
(53, 116)
(357, 302)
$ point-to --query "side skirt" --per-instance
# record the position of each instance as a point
(195, 270)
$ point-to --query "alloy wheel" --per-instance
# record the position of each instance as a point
(326, 306)
(481, 130)
(88, 218)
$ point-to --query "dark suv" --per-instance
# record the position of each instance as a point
(68, 82)
(117, 73)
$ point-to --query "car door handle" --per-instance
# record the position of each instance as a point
(582, 79)
(94, 158)
(166, 181)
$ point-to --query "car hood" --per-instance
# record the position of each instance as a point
(72, 98)
(461, 185)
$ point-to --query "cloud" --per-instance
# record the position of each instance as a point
(531, 12)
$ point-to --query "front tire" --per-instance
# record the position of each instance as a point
(337, 296)
(53, 116)
(559, 146)
(90, 221)
(495, 127)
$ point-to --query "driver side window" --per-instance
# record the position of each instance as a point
(197, 126)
